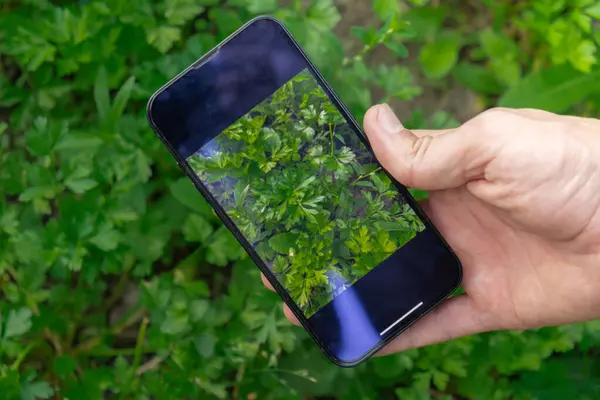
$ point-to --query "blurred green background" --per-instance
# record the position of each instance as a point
(116, 279)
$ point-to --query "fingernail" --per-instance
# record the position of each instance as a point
(388, 121)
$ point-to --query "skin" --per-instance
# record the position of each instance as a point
(516, 193)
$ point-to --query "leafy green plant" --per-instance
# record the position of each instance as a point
(116, 279)
(306, 193)
(537, 53)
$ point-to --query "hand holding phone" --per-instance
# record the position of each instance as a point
(526, 227)
(288, 170)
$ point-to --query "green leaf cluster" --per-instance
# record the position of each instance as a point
(306, 193)
(117, 281)
(537, 53)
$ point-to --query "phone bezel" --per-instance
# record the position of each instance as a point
(184, 166)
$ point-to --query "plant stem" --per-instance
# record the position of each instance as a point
(12, 273)
(139, 345)
(150, 365)
(365, 176)
(48, 334)
(117, 294)
(22, 356)
(94, 341)
(331, 139)
(137, 357)
(239, 378)
(115, 352)
(367, 48)
(54, 340)
(284, 371)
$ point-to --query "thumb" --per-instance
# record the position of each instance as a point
(428, 160)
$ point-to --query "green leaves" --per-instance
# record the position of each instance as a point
(31, 48)
(205, 344)
(397, 48)
(43, 138)
(223, 248)
(439, 57)
(261, 6)
(284, 243)
(368, 36)
(397, 81)
(554, 89)
(107, 238)
(99, 229)
(312, 27)
(185, 192)
(478, 79)
(121, 99)
(34, 390)
(109, 114)
(10, 387)
(163, 37)
(17, 323)
(386, 8)
(308, 214)
(178, 12)
(322, 15)
(196, 229)
(562, 377)
(569, 43)
(425, 22)
(346, 155)
(360, 242)
(101, 95)
(64, 366)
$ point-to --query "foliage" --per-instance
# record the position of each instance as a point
(117, 280)
(306, 193)
(537, 53)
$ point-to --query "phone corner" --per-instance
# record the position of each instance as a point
(149, 105)
(459, 271)
(350, 363)
(266, 17)
(346, 364)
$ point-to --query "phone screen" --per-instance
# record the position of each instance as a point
(306, 193)
(286, 167)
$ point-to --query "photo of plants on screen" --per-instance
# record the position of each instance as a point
(306, 193)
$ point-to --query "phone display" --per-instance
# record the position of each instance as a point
(306, 193)
(286, 167)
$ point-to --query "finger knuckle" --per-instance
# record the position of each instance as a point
(491, 121)
(494, 114)
(418, 155)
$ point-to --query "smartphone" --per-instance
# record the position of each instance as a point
(287, 168)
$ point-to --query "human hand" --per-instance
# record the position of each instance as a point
(516, 193)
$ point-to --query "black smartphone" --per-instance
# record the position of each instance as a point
(287, 168)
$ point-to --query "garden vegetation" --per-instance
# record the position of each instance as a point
(117, 281)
